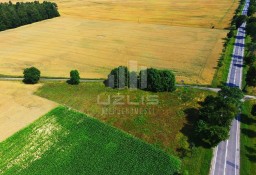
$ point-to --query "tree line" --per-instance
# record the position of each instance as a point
(32, 75)
(216, 115)
(19, 14)
(150, 79)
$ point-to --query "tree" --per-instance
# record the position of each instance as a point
(118, 78)
(74, 77)
(15, 15)
(149, 79)
(253, 111)
(251, 20)
(160, 80)
(231, 92)
(31, 75)
(251, 10)
(251, 76)
(216, 114)
(168, 81)
(240, 20)
(133, 80)
(250, 29)
(250, 59)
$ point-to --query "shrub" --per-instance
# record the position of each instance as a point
(31, 75)
(74, 77)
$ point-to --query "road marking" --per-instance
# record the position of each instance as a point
(236, 143)
(226, 154)
(215, 159)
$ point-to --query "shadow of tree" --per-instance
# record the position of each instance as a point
(247, 120)
(251, 153)
(251, 157)
(250, 150)
(248, 132)
(189, 128)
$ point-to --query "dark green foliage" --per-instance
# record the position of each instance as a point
(133, 81)
(15, 15)
(250, 59)
(118, 78)
(250, 30)
(31, 75)
(240, 20)
(252, 8)
(253, 111)
(160, 80)
(231, 34)
(150, 79)
(216, 115)
(227, 92)
(251, 76)
(74, 77)
(251, 20)
(75, 144)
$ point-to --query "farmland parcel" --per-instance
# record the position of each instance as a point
(95, 36)
(65, 142)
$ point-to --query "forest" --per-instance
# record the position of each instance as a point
(19, 14)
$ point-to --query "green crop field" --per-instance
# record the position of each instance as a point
(68, 142)
(165, 125)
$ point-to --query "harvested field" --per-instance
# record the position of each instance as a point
(95, 36)
(196, 13)
(19, 107)
(94, 47)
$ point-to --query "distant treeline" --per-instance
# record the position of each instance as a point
(19, 14)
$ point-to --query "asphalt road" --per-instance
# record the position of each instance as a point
(226, 160)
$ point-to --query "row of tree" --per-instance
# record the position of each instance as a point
(217, 113)
(250, 58)
(15, 15)
(32, 75)
(252, 8)
(149, 79)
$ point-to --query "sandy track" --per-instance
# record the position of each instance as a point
(19, 107)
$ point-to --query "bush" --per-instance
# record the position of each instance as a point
(74, 77)
(31, 75)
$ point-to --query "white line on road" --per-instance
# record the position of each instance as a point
(226, 154)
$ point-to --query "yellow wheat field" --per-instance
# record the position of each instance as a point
(19, 107)
(95, 36)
